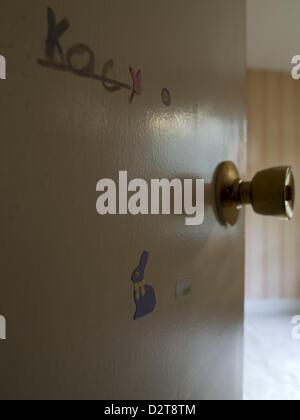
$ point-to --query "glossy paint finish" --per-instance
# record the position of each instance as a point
(65, 271)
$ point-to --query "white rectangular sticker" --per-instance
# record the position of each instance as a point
(183, 288)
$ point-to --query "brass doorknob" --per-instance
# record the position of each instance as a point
(271, 192)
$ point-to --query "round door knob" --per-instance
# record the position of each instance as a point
(271, 192)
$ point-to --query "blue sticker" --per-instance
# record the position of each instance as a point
(144, 294)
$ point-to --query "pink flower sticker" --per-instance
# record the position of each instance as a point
(136, 82)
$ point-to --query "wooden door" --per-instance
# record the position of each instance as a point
(65, 289)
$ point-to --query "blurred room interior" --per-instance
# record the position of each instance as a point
(272, 363)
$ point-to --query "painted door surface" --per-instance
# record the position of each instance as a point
(65, 272)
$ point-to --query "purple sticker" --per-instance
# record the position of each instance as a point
(144, 294)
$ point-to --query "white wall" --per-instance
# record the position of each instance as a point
(273, 33)
(273, 105)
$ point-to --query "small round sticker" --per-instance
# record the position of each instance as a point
(166, 97)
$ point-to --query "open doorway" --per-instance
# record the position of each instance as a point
(272, 346)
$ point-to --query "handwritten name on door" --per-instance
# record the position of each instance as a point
(65, 62)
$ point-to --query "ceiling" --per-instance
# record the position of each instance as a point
(273, 31)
